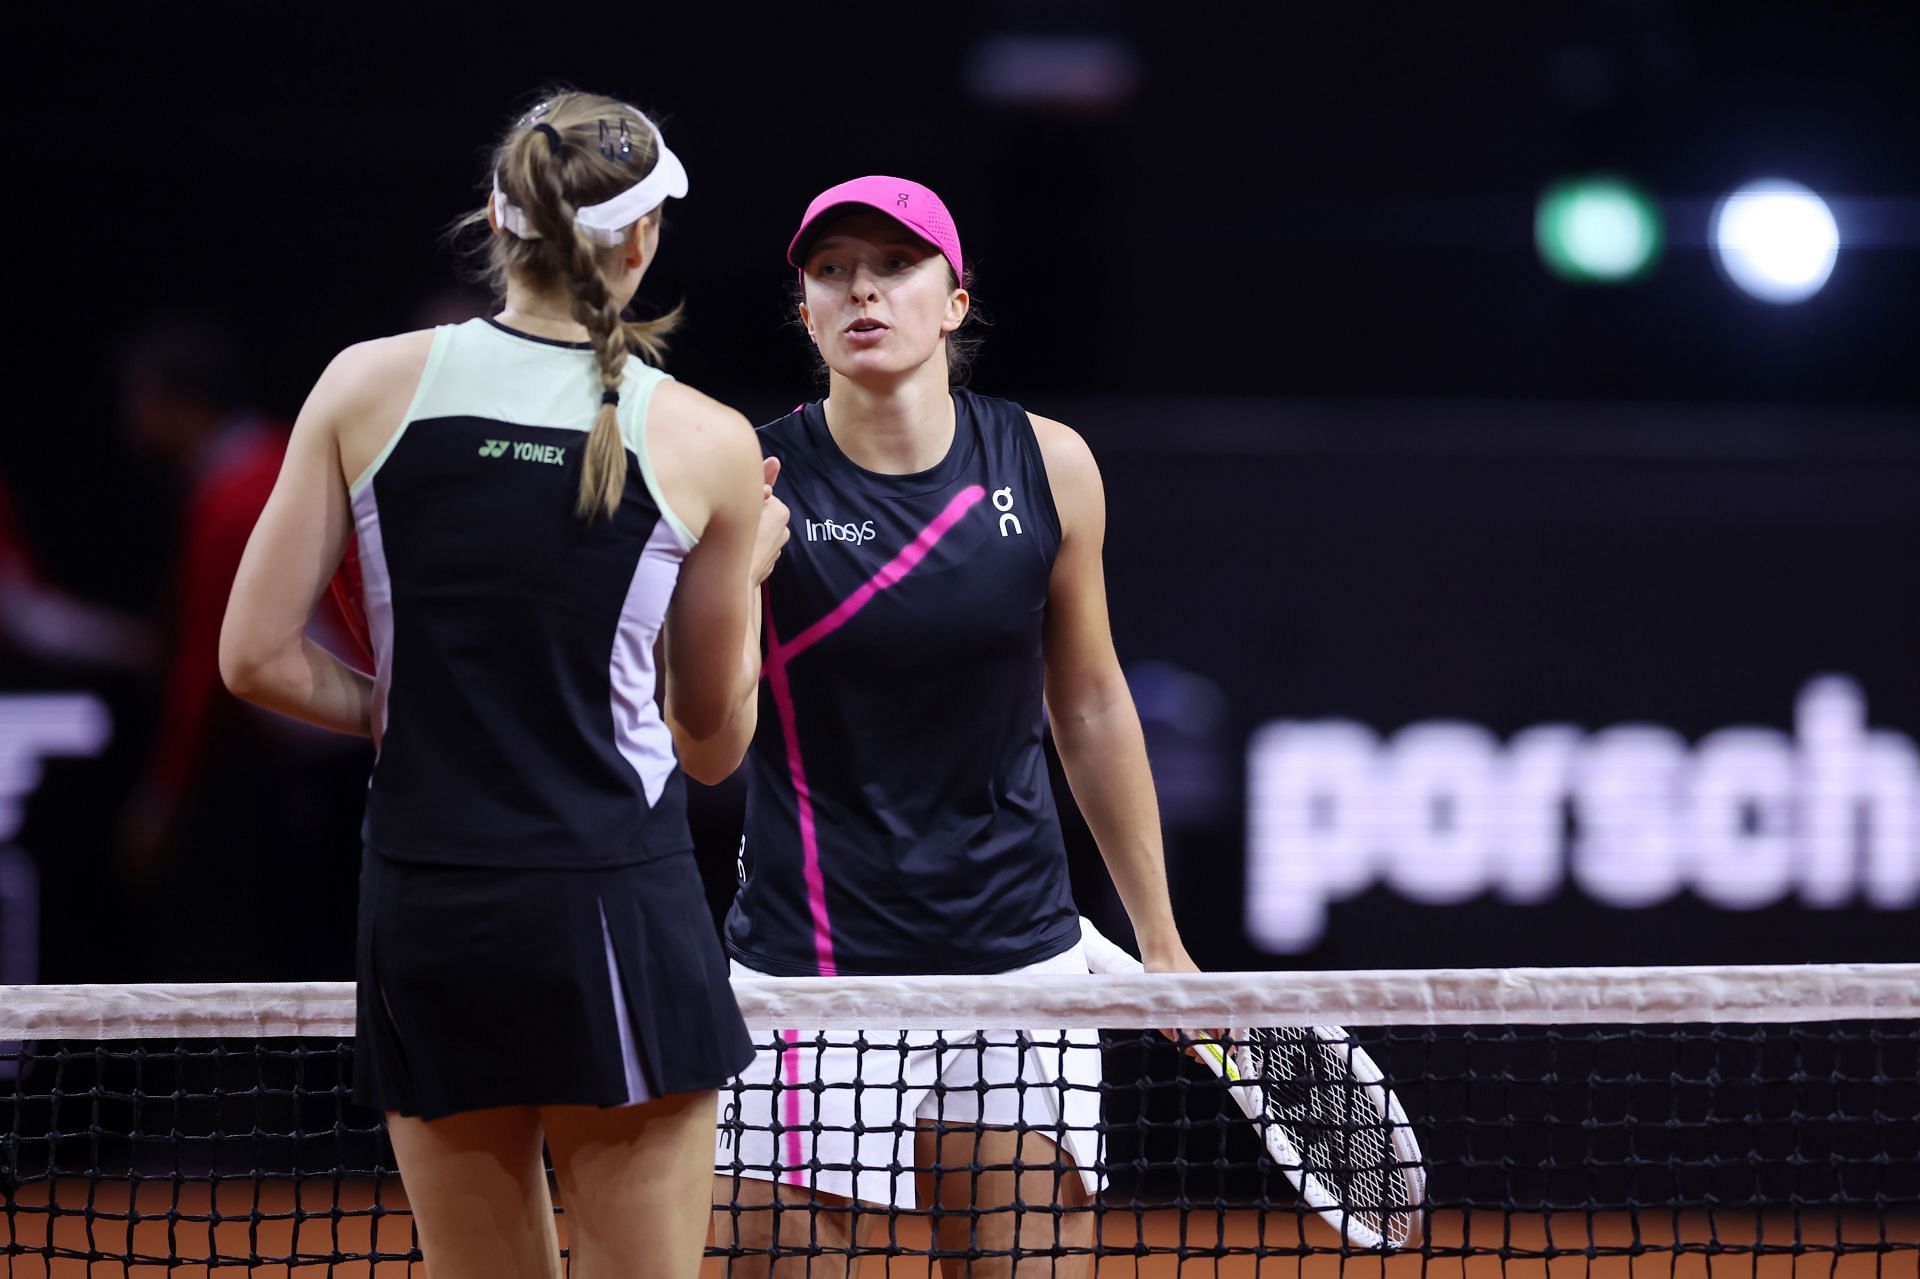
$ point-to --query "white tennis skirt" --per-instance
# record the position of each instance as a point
(836, 1111)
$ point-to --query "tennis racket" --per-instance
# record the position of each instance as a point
(1328, 1119)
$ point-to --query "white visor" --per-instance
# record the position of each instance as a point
(607, 222)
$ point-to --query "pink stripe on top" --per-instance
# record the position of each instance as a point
(896, 568)
(778, 657)
(776, 671)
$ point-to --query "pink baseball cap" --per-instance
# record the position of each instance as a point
(910, 204)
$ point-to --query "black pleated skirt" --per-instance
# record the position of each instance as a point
(481, 987)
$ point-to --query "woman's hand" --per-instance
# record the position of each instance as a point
(1171, 957)
(773, 532)
(1166, 954)
(1168, 957)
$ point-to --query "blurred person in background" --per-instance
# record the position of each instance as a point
(234, 840)
(543, 520)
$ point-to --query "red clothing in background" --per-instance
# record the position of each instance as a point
(227, 495)
(14, 555)
(17, 569)
(350, 601)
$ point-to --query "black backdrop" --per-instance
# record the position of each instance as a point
(1366, 459)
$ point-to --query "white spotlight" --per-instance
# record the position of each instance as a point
(1776, 240)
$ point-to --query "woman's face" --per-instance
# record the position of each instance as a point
(879, 299)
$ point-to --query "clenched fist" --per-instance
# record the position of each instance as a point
(773, 534)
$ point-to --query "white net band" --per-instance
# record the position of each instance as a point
(1424, 997)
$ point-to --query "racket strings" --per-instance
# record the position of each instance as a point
(1332, 1120)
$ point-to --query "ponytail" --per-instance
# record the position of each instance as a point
(546, 169)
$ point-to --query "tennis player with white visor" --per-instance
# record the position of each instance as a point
(535, 506)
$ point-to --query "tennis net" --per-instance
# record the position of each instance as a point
(1759, 1121)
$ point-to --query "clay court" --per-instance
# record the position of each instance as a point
(320, 1218)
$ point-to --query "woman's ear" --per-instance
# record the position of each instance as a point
(641, 241)
(806, 322)
(959, 302)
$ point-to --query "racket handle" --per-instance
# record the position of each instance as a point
(1103, 956)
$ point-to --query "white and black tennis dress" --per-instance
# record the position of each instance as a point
(532, 925)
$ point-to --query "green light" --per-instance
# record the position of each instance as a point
(1597, 230)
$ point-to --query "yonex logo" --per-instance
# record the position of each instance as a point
(524, 452)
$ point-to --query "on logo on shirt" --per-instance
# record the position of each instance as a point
(1003, 503)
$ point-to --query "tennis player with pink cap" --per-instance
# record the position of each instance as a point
(941, 599)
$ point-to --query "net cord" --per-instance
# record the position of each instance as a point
(1739, 994)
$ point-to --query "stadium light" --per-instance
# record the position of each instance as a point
(1775, 240)
(1597, 230)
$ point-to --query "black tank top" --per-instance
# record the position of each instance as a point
(513, 641)
(900, 818)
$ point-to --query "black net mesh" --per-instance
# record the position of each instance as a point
(1756, 1150)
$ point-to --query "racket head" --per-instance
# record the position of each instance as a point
(1332, 1127)
(1254, 1065)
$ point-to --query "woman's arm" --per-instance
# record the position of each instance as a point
(265, 655)
(710, 654)
(712, 760)
(1095, 725)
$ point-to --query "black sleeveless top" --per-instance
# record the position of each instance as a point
(514, 698)
(900, 818)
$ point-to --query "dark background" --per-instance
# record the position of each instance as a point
(1366, 458)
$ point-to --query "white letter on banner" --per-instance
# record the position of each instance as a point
(1437, 818)
(1890, 786)
(1530, 822)
(1311, 798)
(1860, 801)
(1738, 771)
(1624, 796)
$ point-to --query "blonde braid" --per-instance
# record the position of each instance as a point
(603, 473)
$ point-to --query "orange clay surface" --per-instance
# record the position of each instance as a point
(277, 1218)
